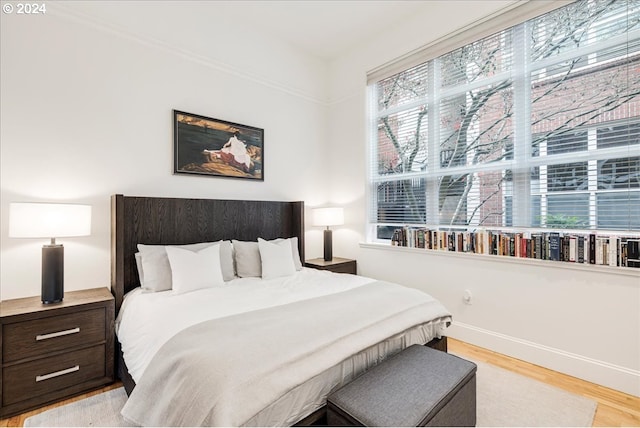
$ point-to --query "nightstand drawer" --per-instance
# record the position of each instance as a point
(56, 333)
(336, 265)
(344, 268)
(28, 380)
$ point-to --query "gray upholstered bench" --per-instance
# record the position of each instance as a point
(417, 387)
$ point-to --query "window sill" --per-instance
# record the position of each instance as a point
(616, 270)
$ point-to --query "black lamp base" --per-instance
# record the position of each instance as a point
(328, 245)
(52, 273)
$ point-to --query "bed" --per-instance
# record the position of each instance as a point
(260, 350)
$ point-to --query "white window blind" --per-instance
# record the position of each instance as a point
(537, 126)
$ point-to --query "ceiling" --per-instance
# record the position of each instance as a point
(328, 28)
(322, 28)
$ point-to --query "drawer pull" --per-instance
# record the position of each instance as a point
(58, 373)
(58, 334)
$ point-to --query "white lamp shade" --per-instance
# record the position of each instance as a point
(43, 220)
(328, 216)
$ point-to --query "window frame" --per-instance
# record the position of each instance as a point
(433, 100)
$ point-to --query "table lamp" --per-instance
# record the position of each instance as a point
(333, 216)
(44, 220)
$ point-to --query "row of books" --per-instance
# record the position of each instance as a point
(595, 249)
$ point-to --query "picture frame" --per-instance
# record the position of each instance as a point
(207, 146)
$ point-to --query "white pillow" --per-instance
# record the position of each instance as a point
(294, 250)
(138, 257)
(226, 260)
(296, 253)
(192, 270)
(157, 271)
(247, 259)
(276, 258)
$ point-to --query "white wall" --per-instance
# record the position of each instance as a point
(584, 322)
(86, 112)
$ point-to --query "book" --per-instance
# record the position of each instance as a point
(602, 250)
(573, 249)
(633, 253)
(564, 249)
(554, 246)
(580, 249)
(613, 250)
(537, 245)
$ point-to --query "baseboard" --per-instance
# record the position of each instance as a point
(600, 372)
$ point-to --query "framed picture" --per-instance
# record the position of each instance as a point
(206, 146)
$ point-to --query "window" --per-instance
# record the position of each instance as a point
(535, 126)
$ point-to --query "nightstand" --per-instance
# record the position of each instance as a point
(337, 264)
(51, 352)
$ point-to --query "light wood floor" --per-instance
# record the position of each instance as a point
(18, 420)
(614, 408)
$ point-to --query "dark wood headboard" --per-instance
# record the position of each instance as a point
(175, 221)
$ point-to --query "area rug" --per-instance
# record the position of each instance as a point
(504, 398)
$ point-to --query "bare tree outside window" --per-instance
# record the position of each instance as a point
(538, 92)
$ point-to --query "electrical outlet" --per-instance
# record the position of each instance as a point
(467, 297)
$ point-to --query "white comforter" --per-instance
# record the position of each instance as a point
(147, 320)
